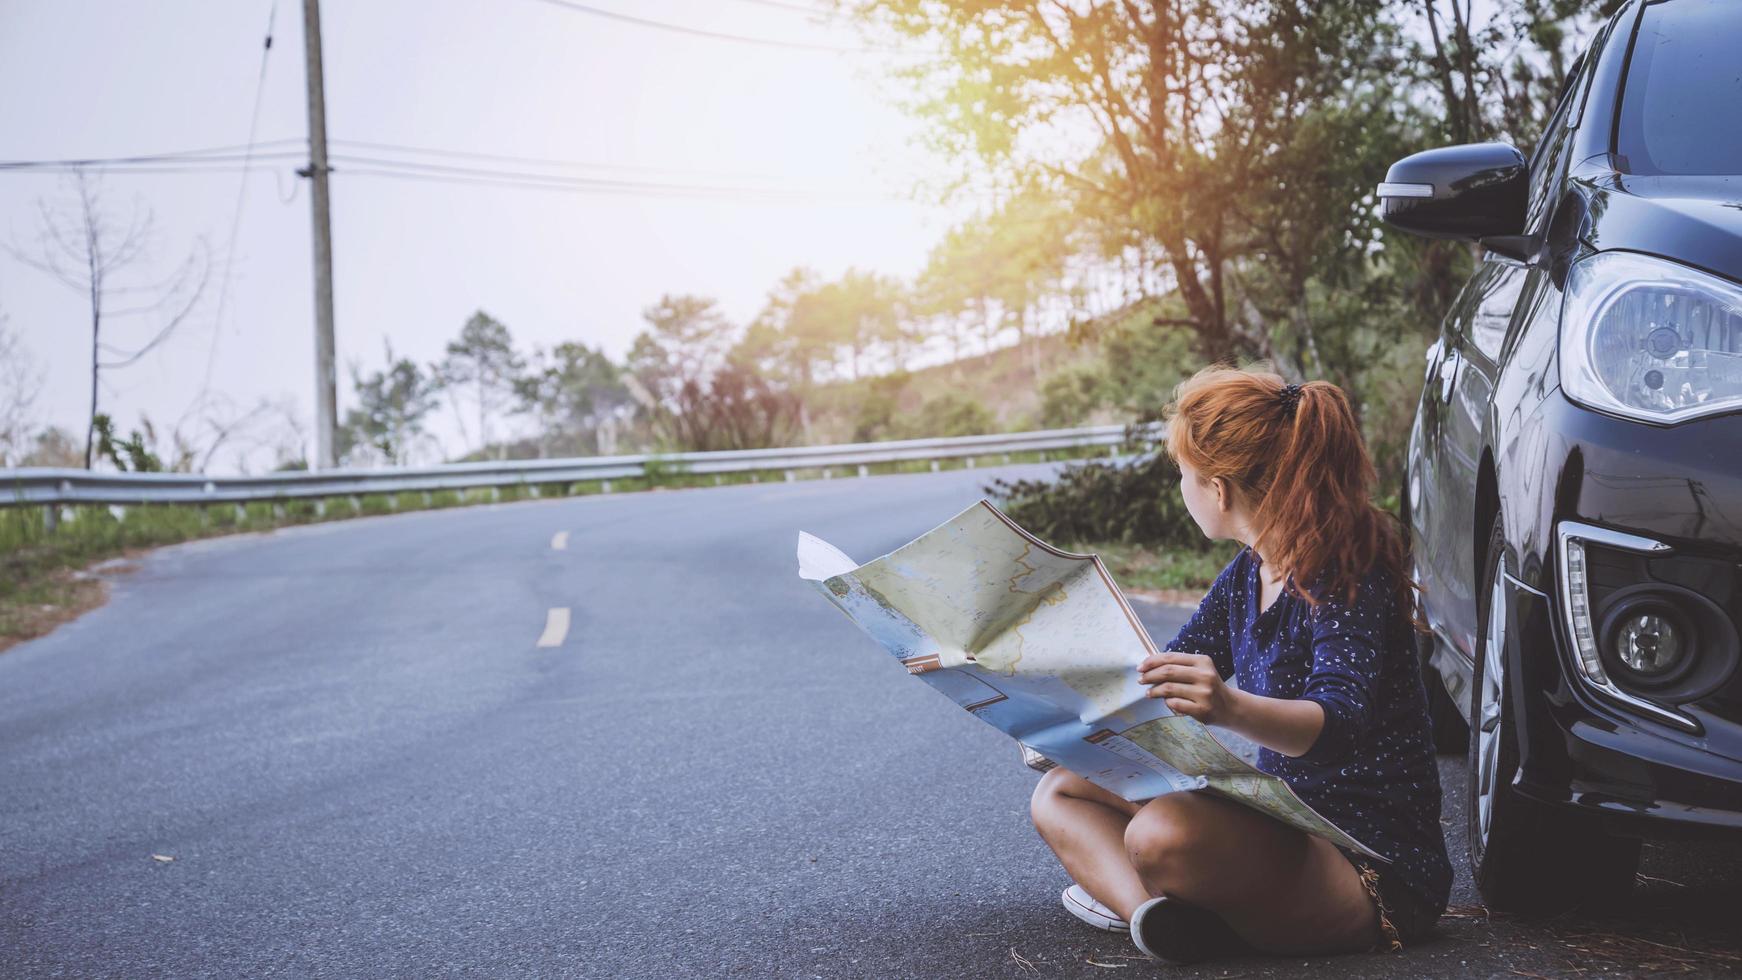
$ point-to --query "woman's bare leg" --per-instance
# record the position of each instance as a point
(1282, 890)
(1085, 826)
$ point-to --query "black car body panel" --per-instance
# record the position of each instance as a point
(1695, 220)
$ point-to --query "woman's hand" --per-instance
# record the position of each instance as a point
(1191, 685)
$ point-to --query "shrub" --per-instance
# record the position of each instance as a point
(1069, 395)
(951, 414)
(1134, 500)
(877, 411)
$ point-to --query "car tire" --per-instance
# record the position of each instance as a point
(1526, 857)
(1451, 733)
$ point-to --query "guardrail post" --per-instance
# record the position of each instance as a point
(426, 498)
(356, 504)
(1006, 459)
(827, 473)
(864, 470)
(605, 486)
(50, 517)
(241, 514)
(970, 462)
(532, 488)
(278, 510)
(934, 466)
(320, 506)
(718, 480)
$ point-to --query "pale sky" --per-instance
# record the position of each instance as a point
(414, 259)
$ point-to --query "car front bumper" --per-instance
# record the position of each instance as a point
(1577, 746)
(1637, 775)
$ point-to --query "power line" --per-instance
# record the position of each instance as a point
(125, 170)
(370, 166)
(353, 165)
(549, 161)
(379, 167)
(574, 187)
(216, 154)
(421, 166)
(241, 200)
(581, 8)
(365, 166)
(215, 160)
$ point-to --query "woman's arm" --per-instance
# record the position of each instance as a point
(1206, 631)
(1192, 686)
(1335, 709)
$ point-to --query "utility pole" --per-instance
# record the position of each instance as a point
(326, 398)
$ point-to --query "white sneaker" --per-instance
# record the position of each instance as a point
(1081, 904)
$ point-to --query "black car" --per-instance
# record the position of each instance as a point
(1574, 481)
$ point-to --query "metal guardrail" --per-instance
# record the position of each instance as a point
(58, 487)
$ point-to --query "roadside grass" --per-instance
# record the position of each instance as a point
(1170, 575)
(46, 576)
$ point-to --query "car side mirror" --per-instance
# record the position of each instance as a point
(1475, 192)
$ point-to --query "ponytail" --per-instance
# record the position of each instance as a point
(1295, 458)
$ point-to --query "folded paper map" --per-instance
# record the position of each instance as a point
(1041, 645)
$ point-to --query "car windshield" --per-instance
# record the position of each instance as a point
(1681, 110)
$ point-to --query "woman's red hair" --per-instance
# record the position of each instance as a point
(1307, 479)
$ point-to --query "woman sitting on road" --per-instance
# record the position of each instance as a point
(1328, 686)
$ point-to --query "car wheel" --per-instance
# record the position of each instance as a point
(1526, 857)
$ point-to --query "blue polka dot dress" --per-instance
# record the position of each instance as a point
(1371, 771)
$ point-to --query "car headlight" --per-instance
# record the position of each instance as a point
(1650, 339)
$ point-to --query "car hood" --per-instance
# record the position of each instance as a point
(1696, 219)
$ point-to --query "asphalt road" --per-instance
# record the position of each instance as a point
(359, 761)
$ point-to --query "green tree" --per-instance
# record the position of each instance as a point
(1497, 69)
(689, 333)
(791, 337)
(993, 273)
(392, 405)
(795, 339)
(732, 408)
(132, 453)
(483, 360)
(670, 364)
(1227, 150)
(862, 309)
(572, 390)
